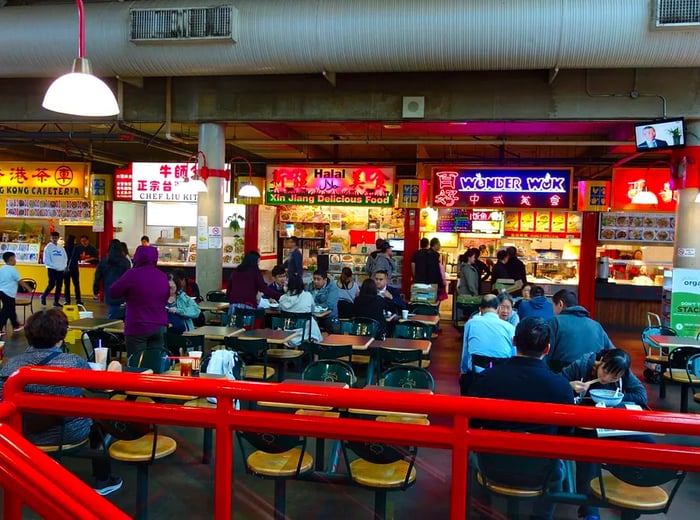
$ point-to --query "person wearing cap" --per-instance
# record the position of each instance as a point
(384, 262)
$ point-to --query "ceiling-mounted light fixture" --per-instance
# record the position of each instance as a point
(248, 189)
(645, 197)
(195, 183)
(79, 93)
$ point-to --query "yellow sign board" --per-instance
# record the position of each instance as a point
(52, 180)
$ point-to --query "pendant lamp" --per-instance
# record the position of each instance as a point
(249, 189)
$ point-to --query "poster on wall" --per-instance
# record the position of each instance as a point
(685, 302)
(627, 182)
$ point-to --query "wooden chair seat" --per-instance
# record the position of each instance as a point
(258, 372)
(140, 450)
(357, 359)
(64, 447)
(139, 399)
(696, 397)
(619, 493)
(680, 377)
(200, 403)
(284, 353)
(279, 464)
(656, 358)
(404, 419)
(502, 489)
(318, 413)
(391, 475)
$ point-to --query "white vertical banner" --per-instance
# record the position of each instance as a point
(215, 237)
(202, 232)
(98, 216)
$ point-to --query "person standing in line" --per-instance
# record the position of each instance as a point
(109, 270)
(500, 269)
(384, 262)
(145, 290)
(295, 261)
(244, 284)
(72, 272)
(372, 257)
(9, 279)
(56, 262)
(419, 262)
(436, 271)
(515, 267)
(88, 252)
(468, 274)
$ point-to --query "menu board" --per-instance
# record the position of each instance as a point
(637, 227)
(469, 221)
(24, 252)
(555, 224)
(72, 210)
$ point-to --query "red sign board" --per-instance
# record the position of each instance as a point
(627, 182)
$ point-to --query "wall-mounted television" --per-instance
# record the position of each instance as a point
(659, 134)
(396, 244)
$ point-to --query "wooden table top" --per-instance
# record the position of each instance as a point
(213, 306)
(403, 344)
(92, 323)
(275, 311)
(117, 328)
(327, 384)
(393, 413)
(673, 341)
(214, 332)
(423, 318)
(357, 342)
(273, 336)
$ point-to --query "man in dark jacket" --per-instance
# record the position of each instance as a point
(146, 290)
(419, 262)
(515, 267)
(538, 305)
(109, 270)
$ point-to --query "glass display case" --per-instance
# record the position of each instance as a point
(637, 272)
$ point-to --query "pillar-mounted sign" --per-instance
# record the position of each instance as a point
(522, 188)
(593, 196)
(161, 182)
(346, 185)
(51, 180)
(412, 193)
(101, 187)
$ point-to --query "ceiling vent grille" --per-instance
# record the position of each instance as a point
(681, 14)
(187, 24)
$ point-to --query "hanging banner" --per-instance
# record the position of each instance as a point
(523, 188)
(685, 302)
(627, 182)
(49, 180)
(336, 185)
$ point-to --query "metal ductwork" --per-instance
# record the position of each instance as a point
(312, 36)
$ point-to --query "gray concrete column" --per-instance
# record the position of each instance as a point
(687, 211)
(211, 205)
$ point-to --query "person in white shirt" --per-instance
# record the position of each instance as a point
(9, 278)
(56, 262)
(296, 299)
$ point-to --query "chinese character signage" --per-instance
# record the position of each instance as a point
(122, 184)
(351, 185)
(412, 193)
(593, 196)
(469, 221)
(685, 302)
(627, 182)
(161, 182)
(101, 187)
(43, 179)
(542, 224)
(502, 188)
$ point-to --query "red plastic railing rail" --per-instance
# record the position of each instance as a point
(457, 436)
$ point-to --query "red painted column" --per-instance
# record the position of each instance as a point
(251, 228)
(587, 262)
(411, 234)
(107, 235)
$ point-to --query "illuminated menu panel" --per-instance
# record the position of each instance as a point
(547, 224)
(469, 221)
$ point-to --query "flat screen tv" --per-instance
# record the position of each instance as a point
(396, 244)
(659, 135)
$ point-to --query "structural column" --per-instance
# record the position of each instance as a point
(686, 177)
(210, 206)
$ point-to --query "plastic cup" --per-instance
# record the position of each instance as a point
(404, 314)
(101, 355)
(196, 356)
(2, 350)
(186, 366)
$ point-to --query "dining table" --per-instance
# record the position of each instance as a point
(423, 345)
(426, 319)
(357, 342)
(671, 342)
(378, 412)
(214, 332)
(85, 324)
(273, 336)
(210, 306)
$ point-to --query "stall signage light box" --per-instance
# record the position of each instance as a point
(158, 182)
(536, 188)
(337, 185)
(413, 193)
(542, 224)
(53, 180)
(627, 182)
(593, 196)
(469, 221)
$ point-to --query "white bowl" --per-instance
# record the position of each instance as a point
(606, 397)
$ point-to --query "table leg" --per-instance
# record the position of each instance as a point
(684, 397)
(207, 443)
(371, 367)
(320, 461)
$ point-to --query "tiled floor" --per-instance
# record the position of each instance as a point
(181, 487)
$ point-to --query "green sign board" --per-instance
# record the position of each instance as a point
(685, 302)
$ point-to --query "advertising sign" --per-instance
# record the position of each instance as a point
(161, 182)
(542, 224)
(627, 182)
(685, 302)
(469, 221)
(593, 196)
(336, 185)
(412, 193)
(525, 188)
(52, 180)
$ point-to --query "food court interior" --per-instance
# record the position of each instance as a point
(324, 96)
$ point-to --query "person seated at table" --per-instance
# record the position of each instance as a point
(181, 308)
(536, 304)
(296, 299)
(348, 288)
(393, 302)
(487, 340)
(505, 309)
(325, 293)
(369, 304)
(279, 279)
(245, 282)
(526, 377)
(45, 331)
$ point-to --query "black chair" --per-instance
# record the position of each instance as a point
(412, 330)
(26, 299)
(423, 308)
(329, 370)
(154, 358)
(248, 318)
(367, 327)
(381, 468)
(293, 321)
(636, 491)
(656, 358)
(693, 370)
(387, 357)
(277, 457)
(342, 352)
(219, 317)
(254, 354)
(345, 309)
(91, 339)
(178, 345)
(678, 360)
(402, 376)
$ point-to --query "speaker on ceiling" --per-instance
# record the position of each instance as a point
(413, 107)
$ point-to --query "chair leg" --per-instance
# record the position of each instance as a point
(207, 443)
(142, 491)
(379, 505)
(512, 508)
(280, 498)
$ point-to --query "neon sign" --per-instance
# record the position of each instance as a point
(502, 187)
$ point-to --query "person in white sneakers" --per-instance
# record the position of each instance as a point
(9, 279)
(56, 262)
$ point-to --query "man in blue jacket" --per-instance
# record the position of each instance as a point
(538, 305)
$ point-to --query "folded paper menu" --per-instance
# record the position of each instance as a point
(608, 432)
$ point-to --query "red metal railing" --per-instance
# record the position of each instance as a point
(457, 437)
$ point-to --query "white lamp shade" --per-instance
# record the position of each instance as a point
(80, 94)
(249, 190)
(197, 186)
(697, 198)
(646, 198)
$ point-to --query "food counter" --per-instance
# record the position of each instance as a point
(38, 272)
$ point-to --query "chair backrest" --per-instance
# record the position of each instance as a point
(154, 358)
(657, 331)
(248, 318)
(693, 368)
(216, 296)
(178, 344)
(96, 338)
(643, 477)
(528, 473)
(365, 327)
(329, 370)
(345, 309)
(412, 330)
(345, 326)
(679, 357)
(653, 319)
(389, 356)
(251, 350)
(331, 352)
(407, 377)
(30, 282)
(422, 308)
(381, 454)
(126, 431)
(294, 321)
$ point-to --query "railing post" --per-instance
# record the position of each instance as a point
(12, 504)
(223, 469)
(460, 469)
